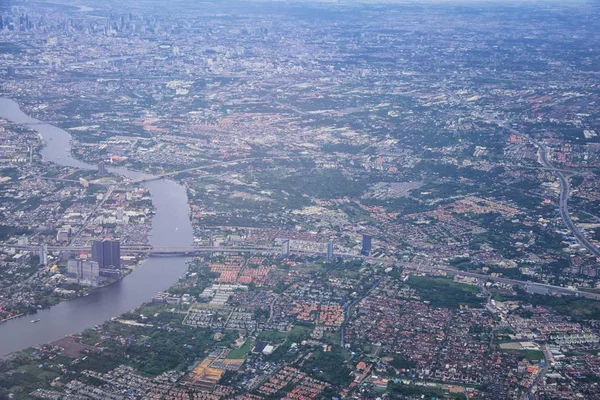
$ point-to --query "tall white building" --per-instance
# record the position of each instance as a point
(43, 254)
(62, 235)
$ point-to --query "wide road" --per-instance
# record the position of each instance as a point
(564, 183)
(563, 202)
(433, 268)
(554, 288)
(348, 308)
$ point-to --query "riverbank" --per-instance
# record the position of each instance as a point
(13, 317)
(170, 227)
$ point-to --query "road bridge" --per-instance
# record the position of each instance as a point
(178, 251)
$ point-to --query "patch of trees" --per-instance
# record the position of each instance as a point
(445, 293)
(328, 366)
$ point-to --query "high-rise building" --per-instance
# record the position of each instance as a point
(366, 245)
(84, 272)
(107, 253)
(120, 213)
(43, 254)
(72, 269)
(285, 249)
(101, 168)
(113, 253)
(330, 254)
(97, 252)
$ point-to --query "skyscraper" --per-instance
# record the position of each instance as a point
(330, 251)
(101, 168)
(97, 252)
(366, 245)
(113, 253)
(285, 249)
(43, 254)
(107, 253)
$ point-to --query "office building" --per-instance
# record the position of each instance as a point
(101, 168)
(107, 253)
(97, 252)
(285, 249)
(83, 272)
(366, 245)
(43, 254)
(330, 251)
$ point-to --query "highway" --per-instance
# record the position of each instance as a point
(564, 200)
(348, 307)
(559, 289)
(191, 251)
(564, 182)
(181, 251)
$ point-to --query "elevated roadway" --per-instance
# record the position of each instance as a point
(433, 268)
(564, 182)
(563, 202)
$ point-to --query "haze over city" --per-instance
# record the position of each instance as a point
(299, 199)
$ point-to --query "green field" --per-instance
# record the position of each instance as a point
(299, 333)
(242, 351)
(530, 355)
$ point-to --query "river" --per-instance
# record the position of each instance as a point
(171, 227)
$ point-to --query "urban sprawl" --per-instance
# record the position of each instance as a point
(387, 201)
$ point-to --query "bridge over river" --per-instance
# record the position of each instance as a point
(180, 251)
